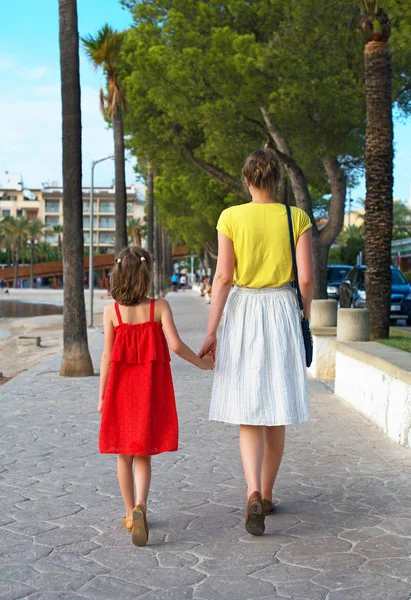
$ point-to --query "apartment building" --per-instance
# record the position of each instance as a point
(46, 204)
(104, 213)
(15, 201)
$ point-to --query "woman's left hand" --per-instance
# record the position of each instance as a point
(209, 346)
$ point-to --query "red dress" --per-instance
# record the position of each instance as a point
(139, 411)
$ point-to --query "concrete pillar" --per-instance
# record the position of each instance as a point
(353, 325)
(323, 313)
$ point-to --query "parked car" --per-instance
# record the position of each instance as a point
(336, 274)
(353, 294)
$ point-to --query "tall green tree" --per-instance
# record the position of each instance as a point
(136, 230)
(206, 75)
(35, 230)
(16, 229)
(76, 357)
(58, 230)
(104, 50)
(401, 220)
(208, 83)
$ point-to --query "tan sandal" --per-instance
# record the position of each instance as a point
(127, 523)
(139, 531)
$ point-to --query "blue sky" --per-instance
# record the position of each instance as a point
(30, 131)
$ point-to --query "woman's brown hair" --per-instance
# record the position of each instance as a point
(262, 169)
(131, 277)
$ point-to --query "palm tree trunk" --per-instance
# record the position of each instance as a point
(32, 264)
(379, 184)
(121, 240)
(76, 357)
(16, 263)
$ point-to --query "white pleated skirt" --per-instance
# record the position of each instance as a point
(260, 376)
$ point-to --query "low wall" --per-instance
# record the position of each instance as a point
(376, 381)
(323, 365)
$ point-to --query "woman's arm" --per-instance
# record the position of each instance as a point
(106, 358)
(176, 343)
(304, 258)
(222, 284)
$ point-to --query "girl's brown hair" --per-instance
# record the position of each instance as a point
(262, 169)
(131, 277)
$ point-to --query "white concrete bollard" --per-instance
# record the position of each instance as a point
(324, 313)
(353, 325)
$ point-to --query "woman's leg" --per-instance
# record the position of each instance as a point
(142, 477)
(252, 455)
(274, 440)
(126, 481)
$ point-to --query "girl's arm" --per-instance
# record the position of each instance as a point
(176, 343)
(106, 358)
(222, 284)
(303, 253)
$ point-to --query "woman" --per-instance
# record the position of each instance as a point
(260, 380)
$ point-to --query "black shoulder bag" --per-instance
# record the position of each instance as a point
(305, 324)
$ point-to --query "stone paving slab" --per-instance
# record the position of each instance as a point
(342, 530)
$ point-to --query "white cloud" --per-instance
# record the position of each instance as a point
(30, 136)
(32, 74)
(6, 63)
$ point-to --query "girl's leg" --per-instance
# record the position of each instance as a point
(274, 440)
(125, 479)
(252, 455)
(142, 477)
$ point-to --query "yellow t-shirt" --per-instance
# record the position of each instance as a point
(261, 241)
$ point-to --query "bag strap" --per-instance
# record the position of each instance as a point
(295, 270)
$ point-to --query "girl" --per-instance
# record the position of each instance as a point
(260, 378)
(137, 403)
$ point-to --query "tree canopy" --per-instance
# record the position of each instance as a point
(208, 82)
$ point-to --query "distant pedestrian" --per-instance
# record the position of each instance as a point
(260, 380)
(183, 282)
(137, 402)
(174, 281)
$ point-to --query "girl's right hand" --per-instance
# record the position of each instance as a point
(207, 362)
(100, 406)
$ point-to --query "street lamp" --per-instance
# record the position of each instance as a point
(90, 264)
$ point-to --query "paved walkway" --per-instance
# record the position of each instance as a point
(342, 531)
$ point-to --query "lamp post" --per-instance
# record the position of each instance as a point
(91, 253)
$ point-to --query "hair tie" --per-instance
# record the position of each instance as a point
(118, 261)
(142, 258)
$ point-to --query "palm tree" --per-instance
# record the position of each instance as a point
(136, 230)
(16, 232)
(76, 357)
(58, 230)
(34, 233)
(378, 165)
(104, 50)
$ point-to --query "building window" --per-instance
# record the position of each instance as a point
(107, 223)
(106, 207)
(86, 222)
(6, 213)
(130, 208)
(19, 212)
(52, 207)
(87, 237)
(11, 197)
(86, 207)
(106, 237)
(52, 221)
(52, 238)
